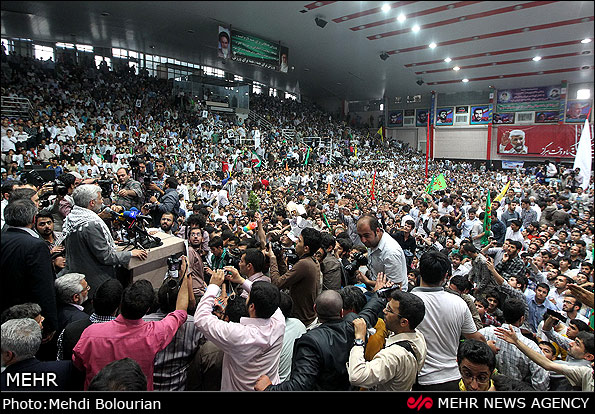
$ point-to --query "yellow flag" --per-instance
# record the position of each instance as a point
(381, 134)
(503, 192)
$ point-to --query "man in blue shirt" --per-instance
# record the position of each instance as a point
(538, 304)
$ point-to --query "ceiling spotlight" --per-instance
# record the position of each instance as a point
(386, 7)
(401, 18)
(320, 22)
(587, 40)
(448, 60)
(465, 80)
(420, 82)
(432, 45)
(456, 68)
(537, 58)
(384, 56)
(415, 28)
(583, 94)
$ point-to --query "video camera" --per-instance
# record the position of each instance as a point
(173, 266)
(235, 255)
(106, 186)
(359, 259)
(288, 252)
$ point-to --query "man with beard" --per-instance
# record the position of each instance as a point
(166, 223)
(90, 248)
(195, 262)
(516, 140)
(44, 224)
(72, 290)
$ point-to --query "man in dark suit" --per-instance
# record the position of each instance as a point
(27, 274)
(72, 290)
(106, 304)
(21, 339)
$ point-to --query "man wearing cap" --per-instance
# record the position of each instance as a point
(516, 138)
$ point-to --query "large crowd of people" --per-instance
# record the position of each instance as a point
(320, 260)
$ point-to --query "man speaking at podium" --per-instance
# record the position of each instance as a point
(90, 248)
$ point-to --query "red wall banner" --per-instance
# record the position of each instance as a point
(558, 141)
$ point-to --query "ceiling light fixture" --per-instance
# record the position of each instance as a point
(415, 28)
(456, 68)
(386, 7)
(465, 80)
(583, 94)
(401, 18)
(537, 58)
(432, 45)
(587, 40)
(448, 60)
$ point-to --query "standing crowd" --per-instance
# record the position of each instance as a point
(318, 260)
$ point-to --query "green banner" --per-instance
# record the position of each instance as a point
(528, 106)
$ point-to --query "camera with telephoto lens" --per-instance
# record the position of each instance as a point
(173, 266)
(359, 259)
(291, 255)
(234, 255)
(106, 186)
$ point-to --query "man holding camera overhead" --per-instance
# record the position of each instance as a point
(130, 193)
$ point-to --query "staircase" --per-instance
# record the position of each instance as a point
(260, 120)
(16, 108)
(288, 134)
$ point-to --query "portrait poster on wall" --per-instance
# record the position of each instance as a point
(503, 118)
(395, 118)
(480, 115)
(444, 116)
(548, 117)
(421, 117)
(577, 111)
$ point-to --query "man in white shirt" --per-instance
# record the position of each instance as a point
(447, 318)
(385, 254)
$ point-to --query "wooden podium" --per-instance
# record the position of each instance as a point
(154, 267)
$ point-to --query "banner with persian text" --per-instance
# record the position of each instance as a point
(552, 141)
(545, 98)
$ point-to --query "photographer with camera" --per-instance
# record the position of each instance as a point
(329, 264)
(130, 193)
(157, 182)
(168, 202)
(304, 277)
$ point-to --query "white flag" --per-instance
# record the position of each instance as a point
(583, 158)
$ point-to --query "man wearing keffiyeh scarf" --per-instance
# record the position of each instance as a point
(90, 247)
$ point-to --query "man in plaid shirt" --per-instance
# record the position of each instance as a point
(511, 264)
(510, 360)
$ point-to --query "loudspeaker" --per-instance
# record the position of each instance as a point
(420, 82)
(320, 22)
(384, 56)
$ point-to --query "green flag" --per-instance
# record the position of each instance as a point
(429, 187)
(487, 222)
(437, 184)
(307, 157)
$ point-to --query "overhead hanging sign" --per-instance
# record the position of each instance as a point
(542, 98)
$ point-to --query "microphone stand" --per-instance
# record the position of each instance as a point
(142, 239)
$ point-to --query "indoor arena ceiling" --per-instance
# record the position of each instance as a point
(494, 43)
